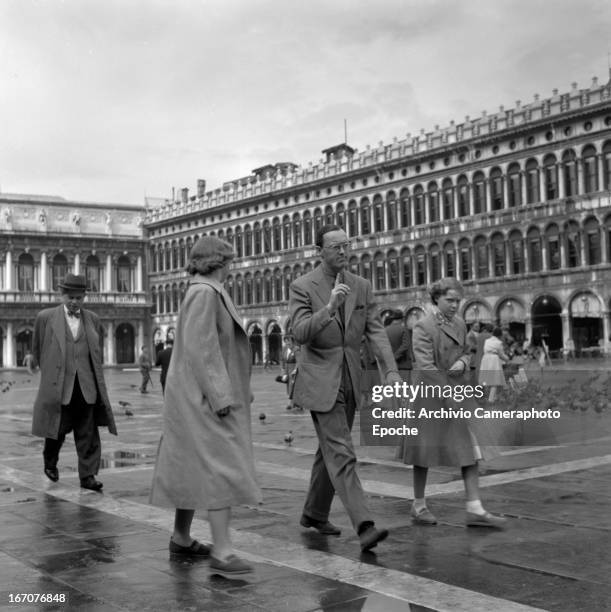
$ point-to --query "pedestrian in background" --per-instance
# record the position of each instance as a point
(146, 365)
(442, 358)
(163, 360)
(205, 459)
(72, 394)
(400, 338)
(491, 368)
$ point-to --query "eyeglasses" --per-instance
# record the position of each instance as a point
(338, 246)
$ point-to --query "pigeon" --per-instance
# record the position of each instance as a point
(123, 403)
(288, 438)
(128, 413)
(262, 417)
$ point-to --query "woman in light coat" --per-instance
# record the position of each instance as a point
(441, 358)
(491, 368)
(205, 459)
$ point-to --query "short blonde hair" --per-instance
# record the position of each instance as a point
(209, 253)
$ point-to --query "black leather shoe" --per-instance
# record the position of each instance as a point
(52, 474)
(323, 527)
(91, 483)
(195, 549)
(371, 536)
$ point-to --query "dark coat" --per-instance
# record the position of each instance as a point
(49, 348)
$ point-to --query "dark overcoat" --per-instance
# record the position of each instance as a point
(49, 350)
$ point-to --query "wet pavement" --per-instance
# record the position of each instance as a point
(88, 551)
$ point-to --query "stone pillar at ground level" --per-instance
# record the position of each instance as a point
(9, 355)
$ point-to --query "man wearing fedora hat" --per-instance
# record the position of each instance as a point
(72, 394)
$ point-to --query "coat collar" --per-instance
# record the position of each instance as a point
(227, 301)
(450, 328)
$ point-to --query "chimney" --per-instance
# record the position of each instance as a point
(201, 188)
(184, 195)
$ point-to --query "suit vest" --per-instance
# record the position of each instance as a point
(78, 363)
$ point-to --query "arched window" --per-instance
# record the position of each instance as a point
(353, 224)
(257, 238)
(590, 169)
(463, 196)
(449, 259)
(496, 189)
(153, 258)
(465, 261)
(230, 238)
(420, 261)
(168, 298)
(60, 269)
(258, 288)
(479, 192)
(248, 288)
(287, 232)
(318, 221)
(247, 240)
(230, 286)
(153, 301)
(366, 271)
(532, 181)
(182, 250)
(481, 257)
(175, 255)
(25, 272)
(267, 237)
(267, 287)
(498, 255)
(406, 268)
(552, 240)
(593, 247)
(514, 185)
(393, 269)
(353, 265)
(92, 274)
(340, 215)
(175, 297)
(418, 205)
(297, 231)
(296, 271)
(516, 253)
(168, 256)
(307, 228)
(182, 289)
(124, 281)
(189, 246)
(287, 279)
(607, 166)
(550, 174)
(448, 199)
(391, 210)
(569, 173)
(160, 258)
(404, 208)
(435, 262)
(380, 272)
(239, 242)
(433, 194)
(161, 301)
(365, 217)
(572, 235)
(238, 290)
(533, 243)
(329, 216)
(278, 297)
(378, 214)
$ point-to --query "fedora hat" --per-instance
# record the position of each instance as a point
(73, 282)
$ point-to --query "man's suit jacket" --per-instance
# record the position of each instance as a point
(400, 338)
(49, 349)
(325, 341)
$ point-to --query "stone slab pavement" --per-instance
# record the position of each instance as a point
(109, 551)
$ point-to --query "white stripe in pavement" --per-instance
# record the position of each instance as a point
(265, 549)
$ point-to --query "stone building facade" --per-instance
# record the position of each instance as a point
(42, 239)
(515, 204)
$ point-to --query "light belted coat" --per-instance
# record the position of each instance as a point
(206, 461)
(49, 350)
(324, 341)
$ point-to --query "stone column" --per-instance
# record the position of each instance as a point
(528, 328)
(600, 164)
(10, 357)
(139, 274)
(77, 263)
(488, 192)
(8, 271)
(606, 331)
(566, 327)
(581, 188)
(561, 185)
(140, 337)
(523, 192)
(109, 351)
(542, 194)
(44, 282)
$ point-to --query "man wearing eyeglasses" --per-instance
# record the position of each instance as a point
(331, 311)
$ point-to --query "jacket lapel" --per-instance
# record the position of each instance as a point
(451, 330)
(319, 285)
(58, 325)
(351, 299)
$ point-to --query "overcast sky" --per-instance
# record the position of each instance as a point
(112, 100)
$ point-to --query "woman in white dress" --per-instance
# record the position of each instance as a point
(491, 368)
